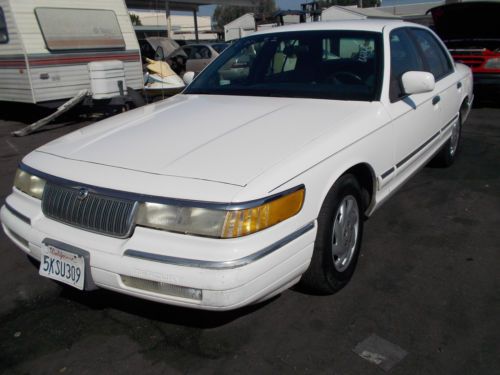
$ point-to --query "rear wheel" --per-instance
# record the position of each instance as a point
(338, 240)
(447, 155)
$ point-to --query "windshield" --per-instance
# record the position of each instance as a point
(343, 65)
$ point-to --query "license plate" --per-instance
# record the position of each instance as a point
(63, 266)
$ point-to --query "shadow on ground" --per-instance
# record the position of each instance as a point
(103, 300)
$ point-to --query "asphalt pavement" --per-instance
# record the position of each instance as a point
(426, 292)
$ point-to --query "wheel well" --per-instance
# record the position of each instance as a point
(366, 179)
(464, 107)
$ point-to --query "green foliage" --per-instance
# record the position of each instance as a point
(224, 14)
(136, 21)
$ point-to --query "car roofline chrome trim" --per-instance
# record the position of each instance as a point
(16, 213)
(157, 199)
(220, 265)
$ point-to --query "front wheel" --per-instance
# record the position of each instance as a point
(338, 240)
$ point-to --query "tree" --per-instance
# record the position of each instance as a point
(224, 14)
(136, 21)
(265, 8)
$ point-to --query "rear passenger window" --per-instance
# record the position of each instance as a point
(435, 57)
(4, 36)
(404, 58)
(205, 52)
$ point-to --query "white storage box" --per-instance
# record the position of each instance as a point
(106, 79)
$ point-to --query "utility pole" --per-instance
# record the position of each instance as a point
(169, 23)
(195, 15)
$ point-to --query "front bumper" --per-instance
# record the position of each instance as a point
(229, 273)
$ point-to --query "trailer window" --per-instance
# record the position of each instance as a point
(4, 36)
(79, 29)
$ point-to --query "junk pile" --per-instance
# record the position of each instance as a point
(160, 78)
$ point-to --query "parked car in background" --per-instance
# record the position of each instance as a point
(191, 57)
(219, 47)
(471, 32)
(242, 186)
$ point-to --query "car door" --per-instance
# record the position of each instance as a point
(415, 117)
(199, 58)
(438, 62)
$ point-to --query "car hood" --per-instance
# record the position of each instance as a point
(168, 45)
(476, 21)
(227, 139)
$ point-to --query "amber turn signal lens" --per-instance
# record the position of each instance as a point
(247, 221)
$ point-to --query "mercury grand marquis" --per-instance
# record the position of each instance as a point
(258, 176)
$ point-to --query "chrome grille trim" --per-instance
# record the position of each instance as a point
(96, 213)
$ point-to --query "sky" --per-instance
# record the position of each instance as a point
(295, 4)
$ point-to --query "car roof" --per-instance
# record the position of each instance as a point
(376, 25)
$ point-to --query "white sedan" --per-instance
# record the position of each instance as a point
(246, 183)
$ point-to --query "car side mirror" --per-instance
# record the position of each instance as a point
(414, 82)
(188, 77)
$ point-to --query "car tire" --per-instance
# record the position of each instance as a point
(448, 153)
(338, 239)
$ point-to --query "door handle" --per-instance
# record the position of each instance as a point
(459, 85)
(436, 100)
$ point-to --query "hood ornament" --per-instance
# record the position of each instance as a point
(82, 194)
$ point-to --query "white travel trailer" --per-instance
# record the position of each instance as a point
(50, 49)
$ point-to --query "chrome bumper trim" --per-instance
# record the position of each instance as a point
(16, 213)
(220, 265)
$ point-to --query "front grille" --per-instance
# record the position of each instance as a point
(95, 212)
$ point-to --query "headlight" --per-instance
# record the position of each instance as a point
(188, 220)
(492, 63)
(220, 223)
(29, 184)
